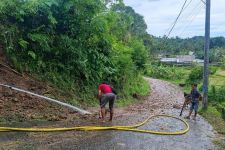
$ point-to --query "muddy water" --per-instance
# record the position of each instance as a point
(162, 97)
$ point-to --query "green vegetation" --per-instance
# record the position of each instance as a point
(178, 46)
(139, 86)
(215, 114)
(214, 118)
(220, 143)
(187, 75)
(76, 44)
(195, 75)
(165, 72)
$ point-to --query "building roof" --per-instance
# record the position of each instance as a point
(185, 58)
(168, 60)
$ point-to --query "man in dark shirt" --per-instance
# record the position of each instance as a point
(195, 95)
(106, 95)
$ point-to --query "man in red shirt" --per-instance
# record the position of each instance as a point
(106, 95)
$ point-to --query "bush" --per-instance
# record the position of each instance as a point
(164, 72)
(217, 94)
(223, 64)
(212, 70)
(195, 76)
(75, 44)
(217, 98)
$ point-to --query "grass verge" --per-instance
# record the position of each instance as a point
(220, 143)
(141, 88)
(213, 116)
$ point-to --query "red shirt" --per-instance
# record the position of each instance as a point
(104, 88)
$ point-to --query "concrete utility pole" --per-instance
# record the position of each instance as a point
(206, 56)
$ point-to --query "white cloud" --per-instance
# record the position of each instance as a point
(160, 14)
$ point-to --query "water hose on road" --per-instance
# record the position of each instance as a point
(133, 128)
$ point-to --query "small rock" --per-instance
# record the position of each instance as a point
(32, 88)
(32, 116)
(8, 92)
(62, 117)
(53, 118)
(30, 106)
(176, 106)
(22, 94)
(41, 107)
(15, 100)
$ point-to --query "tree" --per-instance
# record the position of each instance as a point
(74, 43)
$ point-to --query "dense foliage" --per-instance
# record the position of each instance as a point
(217, 94)
(161, 71)
(76, 44)
(217, 98)
(195, 76)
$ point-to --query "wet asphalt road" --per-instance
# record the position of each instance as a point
(199, 137)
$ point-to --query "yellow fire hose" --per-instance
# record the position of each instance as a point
(132, 128)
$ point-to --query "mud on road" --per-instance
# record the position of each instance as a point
(164, 96)
(17, 106)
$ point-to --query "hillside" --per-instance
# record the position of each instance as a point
(15, 106)
(64, 49)
(76, 45)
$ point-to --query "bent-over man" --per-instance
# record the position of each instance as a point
(105, 92)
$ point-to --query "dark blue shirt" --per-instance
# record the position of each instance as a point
(195, 95)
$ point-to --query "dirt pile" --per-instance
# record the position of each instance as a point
(15, 106)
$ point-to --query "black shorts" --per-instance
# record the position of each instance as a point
(107, 98)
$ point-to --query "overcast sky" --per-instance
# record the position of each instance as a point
(160, 14)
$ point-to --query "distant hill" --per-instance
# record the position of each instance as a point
(179, 46)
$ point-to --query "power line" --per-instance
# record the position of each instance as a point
(203, 2)
(177, 19)
(192, 16)
(192, 19)
(188, 4)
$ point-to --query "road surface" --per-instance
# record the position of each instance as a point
(164, 96)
